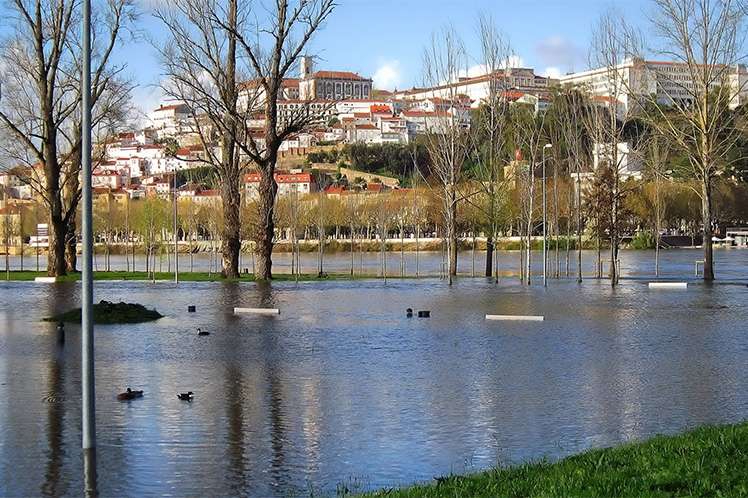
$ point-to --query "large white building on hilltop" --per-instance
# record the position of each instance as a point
(173, 120)
(636, 78)
(509, 81)
(331, 85)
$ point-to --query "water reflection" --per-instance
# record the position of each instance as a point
(90, 476)
(343, 385)
(55, 401)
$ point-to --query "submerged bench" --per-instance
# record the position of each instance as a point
(258, 311)
(668, 285)
(526, 318)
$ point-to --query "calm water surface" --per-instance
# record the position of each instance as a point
(343, 388)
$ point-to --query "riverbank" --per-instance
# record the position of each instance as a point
(333, 245)
(185, 276)
(708, 461)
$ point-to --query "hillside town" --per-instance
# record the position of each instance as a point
(343, 115)
(135, 165)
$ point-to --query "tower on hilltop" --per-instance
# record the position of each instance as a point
(306, 65)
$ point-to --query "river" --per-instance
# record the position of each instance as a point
(342, 389)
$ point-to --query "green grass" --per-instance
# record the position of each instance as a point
(183, 276)
(709, 461)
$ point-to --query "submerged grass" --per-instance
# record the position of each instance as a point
(106, 312)
(709, 461)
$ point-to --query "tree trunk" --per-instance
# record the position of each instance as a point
(706, 242)
(453, 236)
(614, 234)
(231, 237)
(71, 246)
(489, 256)
(266, 226)
(56, 264)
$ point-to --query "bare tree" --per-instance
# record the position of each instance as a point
(658, 160)
(446, 132)
(200, 64)
(287, 30)
(529, 139)
(229, 60)
(570, 106)
(489, 132)
(706, 38)
(40, 101)
(612, 43)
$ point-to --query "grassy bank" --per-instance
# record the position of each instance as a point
(709, 461)
(183, 276)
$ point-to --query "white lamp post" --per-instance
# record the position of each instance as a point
(545, 259)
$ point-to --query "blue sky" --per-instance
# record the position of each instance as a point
(385, 39)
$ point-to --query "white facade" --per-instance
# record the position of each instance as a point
(331, 85)
(635, 79)
(480, 88)
(630, 162)
(301, 183)
(173, 120)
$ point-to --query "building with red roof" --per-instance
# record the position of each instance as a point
(331, 85)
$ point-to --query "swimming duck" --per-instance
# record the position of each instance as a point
(202, 332)
(130, 394)
(185, 396)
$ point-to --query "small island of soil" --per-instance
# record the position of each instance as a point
(106, 312)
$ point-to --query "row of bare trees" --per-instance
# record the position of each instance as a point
(212, 47)
(656, 114)
(215, 49)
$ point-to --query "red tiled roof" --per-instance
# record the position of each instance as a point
(170, 107)
(337, 75)
(335, 190)
(602, 98)
(280, 177)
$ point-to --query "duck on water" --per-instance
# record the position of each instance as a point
(130, 394)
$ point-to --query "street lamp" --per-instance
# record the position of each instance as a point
(545, 259)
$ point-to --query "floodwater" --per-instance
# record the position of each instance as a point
(342, 390)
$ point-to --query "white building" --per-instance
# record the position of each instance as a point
(635, 79)
(301, 183)
(480, 88)
(252, 94)
(331, 85)
(173, 120)
(630, 161)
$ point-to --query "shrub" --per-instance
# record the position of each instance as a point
(643, 241)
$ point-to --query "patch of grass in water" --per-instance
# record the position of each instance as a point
(105, 313)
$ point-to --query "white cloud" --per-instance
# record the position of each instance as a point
(388, 76)
(481, 69)
(558, 52)
(552, 72)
